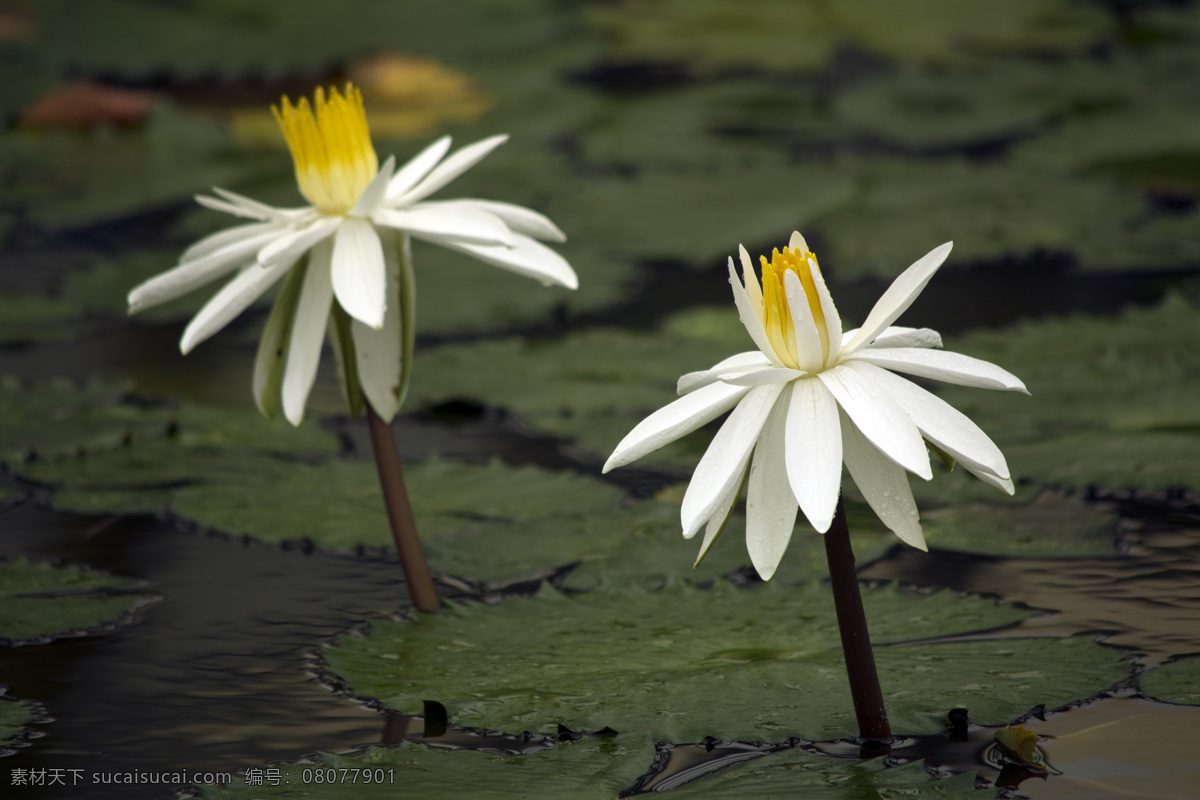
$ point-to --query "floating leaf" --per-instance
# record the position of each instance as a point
(587, 769)
(15, 718)
(85, 104)
(759, 664)
(1049, 524)
(1176, 682)
(42, 602)
(1020, 745)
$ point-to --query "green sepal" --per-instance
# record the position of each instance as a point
(273, 346)
(347, 363)
(408, 315)
(947, 459)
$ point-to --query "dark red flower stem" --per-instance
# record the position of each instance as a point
(399, 511)
(856, 641)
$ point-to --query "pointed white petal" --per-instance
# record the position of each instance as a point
(676, 419)
(378, 352)
(359, 274)
(899, 296)
(878, 416)
(716, 523)
(942, 424)
(695, 380)
(372, 196)
(518, 218)
(833, 322)
(760, 376)
(813, 451)
(883, 484)
(749, 317)
(438, 223)
(750, 280)
(770, 506)
(194, 274)
(458, 163)
(418, 167)
(229, 236)
(290, 246)
(308, 332)
(899, 336)
(234, 298)
(943, 366)
(1003, 484)
(527, 257)
(808, 345)
(725, 460)
(261, 210)
(796, 242)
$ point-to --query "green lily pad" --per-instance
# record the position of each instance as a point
(1176, 682)
(714, 34)
(599, 769)
(32, 318)
(43, 602)
(760, 664)
(1051, 524)
(798, 773)
(15, 718)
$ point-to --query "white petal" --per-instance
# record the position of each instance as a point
(796, 242)
(883, 484)
(813, 451)
(359, 274)
(234, 298)
(899, 296)
(518, 218)
(677, 419)
(750, 280)
(458, 163)
(833, 322)
(271, 358)
(770, 506)
(224, 238)
(438, 223)
(760, 376)
(408, 175)
(808, 345)
(878, 416)
(372, 196)
(943, 366)
(252, 208)
(749, 317)
(899, 336)
(194, 274)
(1003, 484)
(308, 332)
(290, 246)
(725, 460)
(718, 520)
(694, 380)
(527, 257)
(943, 424)
(378, 352)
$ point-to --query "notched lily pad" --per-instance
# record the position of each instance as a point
(42, 602)
(588, 769)
(761, 664)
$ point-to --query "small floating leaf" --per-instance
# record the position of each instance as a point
(42, 602)
(1021, 745)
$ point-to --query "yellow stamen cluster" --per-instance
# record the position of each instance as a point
(777, 316)
(331, 148)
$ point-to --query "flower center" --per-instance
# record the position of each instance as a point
(331, 148)
(777, 315)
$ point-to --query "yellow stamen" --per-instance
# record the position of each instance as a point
(331, 149)
(777, 316)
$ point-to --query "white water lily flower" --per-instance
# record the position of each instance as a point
(812, 398)
(356, 236)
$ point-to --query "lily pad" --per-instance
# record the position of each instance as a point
(759, 664)
(1176, 682)
(589, 769)
(43, 602)
(1051, 524)
(715, 34)
(798, 773)
(15, 717)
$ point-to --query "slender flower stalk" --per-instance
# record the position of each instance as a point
(346, 266)
(810, 399)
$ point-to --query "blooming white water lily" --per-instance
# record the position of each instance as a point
(356, 236)
(812, 398)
